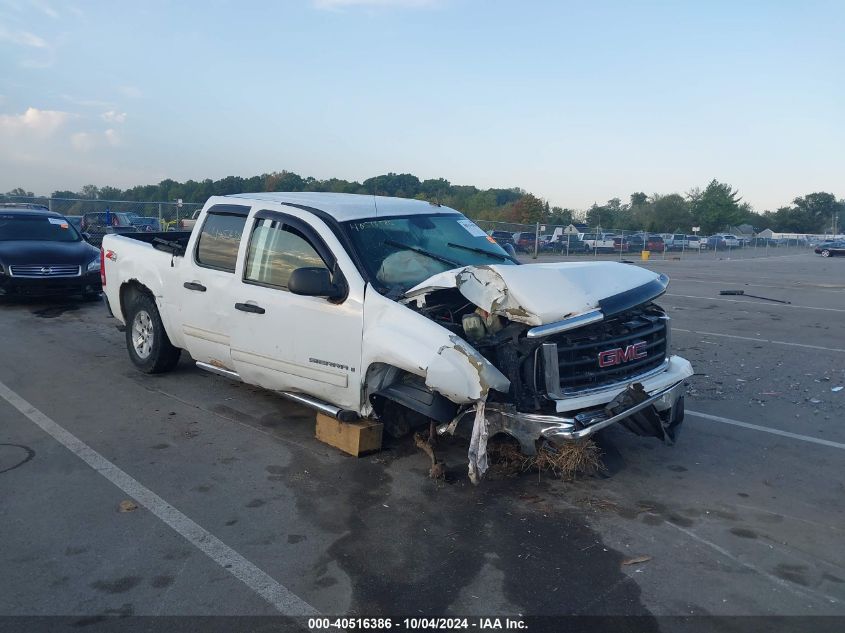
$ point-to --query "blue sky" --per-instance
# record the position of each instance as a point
(575, 102)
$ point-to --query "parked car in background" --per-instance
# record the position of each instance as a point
(598, 241)
(695, 243)
(503, 237)
(675, 241)
(76, 221)
(621, 244)
(148, 225)
(568, 243)
(830, 249)
(655, 244)
(761, 242)
(98, 223)
(723, 240)
(41, 253)
(524, 241)
(187, 224)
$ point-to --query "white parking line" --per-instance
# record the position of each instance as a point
(778, 581)
(260, 582)
(760, 340)
(765, 429)
(773, 304)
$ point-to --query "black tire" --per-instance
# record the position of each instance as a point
(150, 350)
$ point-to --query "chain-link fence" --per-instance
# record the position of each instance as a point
(98, 217)
(545, 240)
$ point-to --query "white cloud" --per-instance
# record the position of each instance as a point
(86, 141)
(399, 4)
(112, 116)
(42, 123)
(133, 92)
(87, 103)
(112, 137)
(83, 141)
(22, 38)
(45, 8)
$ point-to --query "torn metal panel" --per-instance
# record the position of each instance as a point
(536, 294)
(529, 428)
(478, 445)
(398, 337)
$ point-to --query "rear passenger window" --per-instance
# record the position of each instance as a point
(275, 251)
(217, 246)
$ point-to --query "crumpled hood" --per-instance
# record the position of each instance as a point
(537, 294)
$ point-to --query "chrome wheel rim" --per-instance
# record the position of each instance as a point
(825, 253)
(142, 334)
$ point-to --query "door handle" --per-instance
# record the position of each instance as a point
(191, 285)
(249, 307)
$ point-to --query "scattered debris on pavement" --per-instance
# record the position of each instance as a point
(127, 506)
(564, 461)
(742, 293)
(636, 560)
(438, 469)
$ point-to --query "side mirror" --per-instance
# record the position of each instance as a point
(315, 282)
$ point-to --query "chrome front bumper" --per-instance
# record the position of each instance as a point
(527, 428)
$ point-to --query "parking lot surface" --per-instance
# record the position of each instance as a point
(187, 494)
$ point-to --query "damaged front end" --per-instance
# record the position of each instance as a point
(582, 347)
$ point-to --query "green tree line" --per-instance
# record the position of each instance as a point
(714, 208)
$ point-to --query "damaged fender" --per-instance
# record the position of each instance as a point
(399, 337)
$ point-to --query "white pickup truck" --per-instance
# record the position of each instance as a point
(598, 241)
(403, 310)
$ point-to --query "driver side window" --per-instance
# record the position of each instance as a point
(275, 251)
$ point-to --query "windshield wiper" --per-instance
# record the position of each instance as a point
(421, 251)
(482, 251)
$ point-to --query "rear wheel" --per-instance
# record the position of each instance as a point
(146, 341)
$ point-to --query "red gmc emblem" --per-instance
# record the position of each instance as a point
(610, 357)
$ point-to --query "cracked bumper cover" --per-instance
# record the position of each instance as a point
(650, 406)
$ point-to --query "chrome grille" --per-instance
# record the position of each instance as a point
(576, 352)
(45, 271)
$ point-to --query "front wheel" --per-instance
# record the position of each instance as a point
(150, 350)
(825, 253)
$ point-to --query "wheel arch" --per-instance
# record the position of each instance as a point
(128, 291)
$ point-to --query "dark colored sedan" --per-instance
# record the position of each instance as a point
(42, 254)
(829, 249)
(503, 237)
(567, 244)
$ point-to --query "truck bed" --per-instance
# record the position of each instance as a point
(173, 242)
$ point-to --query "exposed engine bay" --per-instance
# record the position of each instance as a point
(503, 342)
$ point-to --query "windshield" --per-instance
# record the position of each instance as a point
(400, 252)
(37, 227)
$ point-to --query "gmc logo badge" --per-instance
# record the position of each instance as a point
(610, 357)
